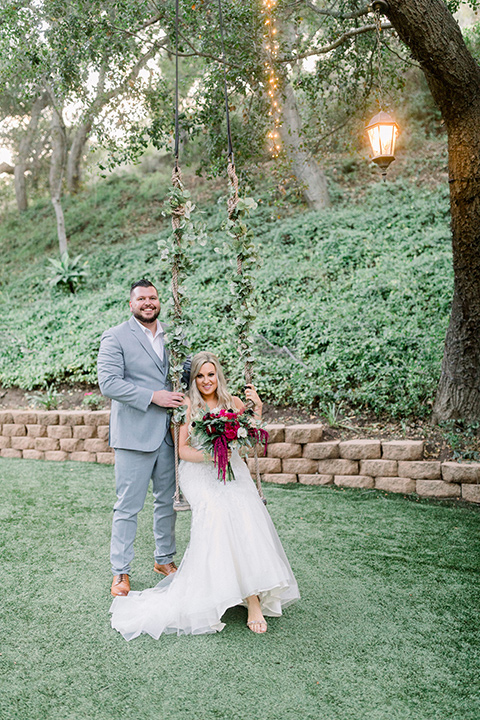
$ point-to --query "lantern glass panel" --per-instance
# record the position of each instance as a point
(382, 139)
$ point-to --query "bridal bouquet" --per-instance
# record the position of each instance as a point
(219, 431)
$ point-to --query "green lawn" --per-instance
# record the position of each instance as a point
(387, 627)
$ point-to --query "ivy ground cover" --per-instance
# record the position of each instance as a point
(353, 302)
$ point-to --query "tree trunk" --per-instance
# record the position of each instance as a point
(24, 150)
(74, 163)
(304, 166)
(434, 38)
(57, 170)
(75, 156)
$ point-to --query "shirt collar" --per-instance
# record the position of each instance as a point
(159, 330)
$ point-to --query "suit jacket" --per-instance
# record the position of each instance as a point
(129, 371)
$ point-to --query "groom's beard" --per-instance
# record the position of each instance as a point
(146, 319)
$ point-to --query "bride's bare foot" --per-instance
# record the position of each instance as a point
(255, 622)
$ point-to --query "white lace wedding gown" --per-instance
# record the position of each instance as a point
(234, 552)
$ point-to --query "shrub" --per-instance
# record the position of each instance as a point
(69, 274)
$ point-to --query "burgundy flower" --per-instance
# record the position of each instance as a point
(231, 430)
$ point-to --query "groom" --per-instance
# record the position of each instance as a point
(133, 372)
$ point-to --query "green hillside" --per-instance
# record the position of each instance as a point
(359, 295)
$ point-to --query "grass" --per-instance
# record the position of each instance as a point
(387, 627)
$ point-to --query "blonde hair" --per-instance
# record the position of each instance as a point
(224, 399)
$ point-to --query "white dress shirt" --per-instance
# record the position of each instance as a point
(156, 341)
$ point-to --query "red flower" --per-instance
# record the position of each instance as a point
(231, 430)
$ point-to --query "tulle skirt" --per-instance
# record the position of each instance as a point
(234, 552)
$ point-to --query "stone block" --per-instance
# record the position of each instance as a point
(23, 443)
(84, 431)
(471, 493)
(300, 465)
(71, 417)
(58, 455)
(106, 458)
(5, 442)
(265, 465)
(402, 450)
(36, 430)
(356, 481)
(96, 445)
(13, 430)
(284, 450)
(315, 479)
(103, 431)
(282, 478)
(377, 468)
(10, 453)
(59, 431)
(360, 449)
(438, 488)
(33, 455)
(338, 467)
(24, 417)
(276, 433)
(396, 484)
(72, 444)
(322, 451)
(83, 457)
(6, 417)
(47, 417)
(420, 469)
(461, 472)
(303, 433)
(96, 417)
(47, 444)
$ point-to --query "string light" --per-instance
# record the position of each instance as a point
(271, 50)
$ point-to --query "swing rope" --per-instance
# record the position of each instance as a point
(232, 203)
(178, 212)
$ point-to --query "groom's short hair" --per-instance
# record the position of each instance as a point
(141, 283)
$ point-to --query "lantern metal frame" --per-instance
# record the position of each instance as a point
(380, 6)
(383, 160)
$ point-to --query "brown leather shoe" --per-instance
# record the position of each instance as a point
(167, 569)
(120, 585)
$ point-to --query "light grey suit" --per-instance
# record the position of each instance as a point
(129, 371)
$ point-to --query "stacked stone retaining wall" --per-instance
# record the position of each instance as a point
(295, 454)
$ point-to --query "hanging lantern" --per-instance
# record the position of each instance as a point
(382, 133)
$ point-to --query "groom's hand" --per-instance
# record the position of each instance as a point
(167, 399)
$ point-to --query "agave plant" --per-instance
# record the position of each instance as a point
(69, 274)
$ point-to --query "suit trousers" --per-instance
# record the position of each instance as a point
(133, 470)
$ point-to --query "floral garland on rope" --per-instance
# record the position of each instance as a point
(185, 232)
(243, 287)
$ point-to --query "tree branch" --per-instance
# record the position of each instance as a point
(6, 168)
(328, 48)
(201, 54)
(338, 15)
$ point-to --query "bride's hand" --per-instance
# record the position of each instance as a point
(229, 454)
(252, 395)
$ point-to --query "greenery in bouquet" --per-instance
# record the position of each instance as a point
(219, 431)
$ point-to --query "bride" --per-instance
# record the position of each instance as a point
(234, 556)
